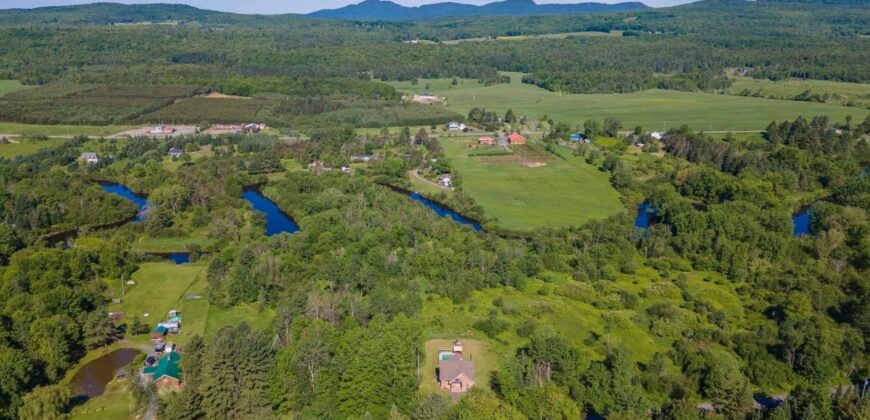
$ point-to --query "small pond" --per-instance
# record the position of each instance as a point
(90, 381)
(122, 191)
(802, 221)
(443, 211)
(176, 257)
(646, 216)
(276, 220)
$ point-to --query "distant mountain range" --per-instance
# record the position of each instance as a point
(387, 10)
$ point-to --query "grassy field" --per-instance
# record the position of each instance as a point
(7, 86)
(856, 94)
(16, 129)
(591, 318)
(652, 109)
(26, 147)
(523, 195)
(561, 35)
(114, 404)
(161, 286)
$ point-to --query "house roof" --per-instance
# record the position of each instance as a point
(161, 329)
(486, 139)
(515, 137)
(175, 150)
(89, 155)
(451, 369)
(166, 366)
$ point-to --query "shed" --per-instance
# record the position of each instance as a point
(516, 138)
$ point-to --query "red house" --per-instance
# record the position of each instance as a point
(516, 138)
(455, 374)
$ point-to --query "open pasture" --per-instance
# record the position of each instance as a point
(23, 147)
(849, 94)
(7, 86)
(531, 188)
(652, 109)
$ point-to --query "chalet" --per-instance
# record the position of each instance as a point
(456, 126)
(90, 158)
(486, 140)
(175, 152)
(159, 332)
(455, 374)
(516, 138)
(165, 374)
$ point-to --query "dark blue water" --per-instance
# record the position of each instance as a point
(276, 220)
(646, 214)
(802, 222)
(140, 201)
(176, 257)
(445, 212)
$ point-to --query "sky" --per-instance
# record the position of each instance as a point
(289, 6)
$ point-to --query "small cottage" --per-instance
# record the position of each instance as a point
(165, 374)
(175, 152)
(90, 158)
(455, 374)
(456, 126)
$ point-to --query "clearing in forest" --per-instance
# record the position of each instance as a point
(654, 110)
(532, 188)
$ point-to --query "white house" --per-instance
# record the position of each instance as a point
(90, 158)
(656, 135)
(456, 126)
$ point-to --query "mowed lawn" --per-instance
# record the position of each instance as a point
(17, 129)
(652, 109)
(485, 362)
(25, 147)
(563, 192)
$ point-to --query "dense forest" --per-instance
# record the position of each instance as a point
(717, 308)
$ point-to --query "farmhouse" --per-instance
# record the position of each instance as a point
(456, 126)
(159, 332)
(165, 374)
(361, 158)
(175, 152)
(90, 158)
(251, 128)
(486, 140)
(516, 138)
(455, 374)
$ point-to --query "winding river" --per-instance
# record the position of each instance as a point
(276, 220)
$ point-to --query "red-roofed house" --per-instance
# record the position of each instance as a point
(455, 374)
(486, 140)
(516, 138)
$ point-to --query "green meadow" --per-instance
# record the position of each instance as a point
(858, 94)
(652, 109)
(7, 86)
(522, 195)
(24, 147)
(60, 130)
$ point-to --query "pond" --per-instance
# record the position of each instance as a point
(90, 381)
(176, 257)
(802, 221)
(276, 220)
(646, 216)
(444, 211)
(122, 191)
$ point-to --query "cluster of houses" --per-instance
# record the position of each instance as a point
(162, 368)
(503, 140)
(455, 373)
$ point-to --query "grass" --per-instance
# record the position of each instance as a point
(858, 94)
(222, 317)
(7, 86)
(563, 192)
(651, 109)
(485, 362)
(561, 35)
(25, 147)
(161, 286)
(17, 129)
(114, 404)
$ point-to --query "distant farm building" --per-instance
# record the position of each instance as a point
(162, 129)
(455, 374)
(579, 137)
(175, 152)
(656, 135)
(90, 158)
(489, 141)
(166, 373)
(361, 158)
(251, 128)
(445, 180)
(516, 138)
(428, 99)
